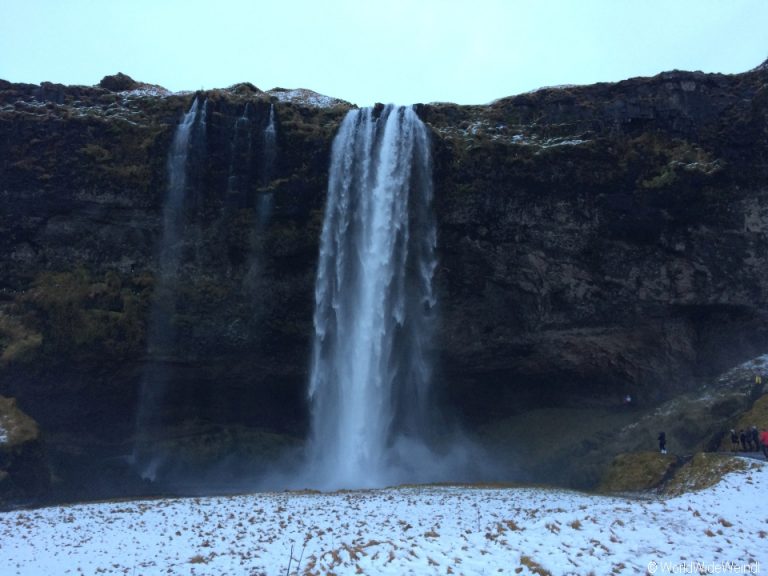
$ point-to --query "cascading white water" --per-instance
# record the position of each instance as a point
(268, 164)
(270, 136)
(177, 183)
(161, 335)
(373, 303)
(254, 277)
(241, 151)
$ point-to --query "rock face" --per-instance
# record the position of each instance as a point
(118, 83)
(593, 242)
(24, 470)
(604, 238)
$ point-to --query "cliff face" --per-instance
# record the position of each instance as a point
(604, 239)
(83, 180)
(593, 241)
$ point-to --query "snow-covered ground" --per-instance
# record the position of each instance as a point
(412, 530)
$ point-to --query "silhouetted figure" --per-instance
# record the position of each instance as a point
(662, 442)
(764, 440)
(743, 440)
(755, 438)
(734, 441)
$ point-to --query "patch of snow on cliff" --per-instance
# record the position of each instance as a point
(501, 133)
(535, 140)
(113, 111)
(304, 96)
(556, 87)
(146, 91)
(760, 362)
(3, 434)
(33, 107)
(705, 167)
(551, 142)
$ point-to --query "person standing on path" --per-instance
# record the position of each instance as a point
(734, 441)
(764, 440)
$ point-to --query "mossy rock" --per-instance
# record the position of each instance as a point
(75, 315)
(639, 471)
(16, 428)
(24, 470)
(705, 469)
(118, 82)
(18, 342)
(197, 446)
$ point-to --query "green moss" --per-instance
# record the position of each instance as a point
(757, 415)
(17, 426)
(638, 471)
(75, 315)
(96, 153)
(650, 470)
(195, 443)
(705, 469)
(17, 341)
(663, 162)
(665, 178)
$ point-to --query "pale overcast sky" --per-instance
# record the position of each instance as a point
(401, 51)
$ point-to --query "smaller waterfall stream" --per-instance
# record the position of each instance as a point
(269, 154)
(241, 152)
(170, 243)
(161, 334)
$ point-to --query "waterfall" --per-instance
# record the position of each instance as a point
(253, 280)
(270, 139)
(161, 334)
(241, 151)
(374, 304)
(174, 202)
(268, 163)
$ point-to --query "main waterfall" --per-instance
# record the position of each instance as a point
(374, 305)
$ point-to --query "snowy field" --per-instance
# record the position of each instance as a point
(414, 530)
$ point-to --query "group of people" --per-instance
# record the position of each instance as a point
(749, 440)
(745, 440)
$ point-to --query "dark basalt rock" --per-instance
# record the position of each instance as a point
(762, 68)
(593, 241)
(245, 88)
(118, 83)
